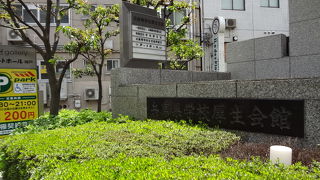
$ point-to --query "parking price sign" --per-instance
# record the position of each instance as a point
(18, 98)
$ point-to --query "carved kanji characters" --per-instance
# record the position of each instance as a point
(203, 112)
(280, 118)
(257, 117)
(219, 113)
(237, 116)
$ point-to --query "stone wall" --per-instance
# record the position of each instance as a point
(261, 58)
(304, 38)
(130, 99)
(267, 57)
(133, 86)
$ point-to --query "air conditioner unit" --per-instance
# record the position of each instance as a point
(108, 44)
(13, 35)
(43, 88)
(64, 90)
(231, 23)
(91, 94)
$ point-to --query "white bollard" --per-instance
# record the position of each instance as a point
(281, 154)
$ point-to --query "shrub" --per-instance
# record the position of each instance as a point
(64, 119)
(186, 167)
(34, 155)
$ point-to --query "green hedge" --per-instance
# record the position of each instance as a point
(35, 155)
(104, 148)
(65, 118)
(187, 167)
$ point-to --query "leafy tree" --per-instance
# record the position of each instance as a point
(44, 32)
(97, 31)
(181, 50)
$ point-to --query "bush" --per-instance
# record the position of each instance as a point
(192, 167)
(64, 119)
(35, 155)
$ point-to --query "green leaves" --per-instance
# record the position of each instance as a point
(79, 73)
(180, 48)
(104, 140)
(107, 148)
(65, 118)
(193, 167)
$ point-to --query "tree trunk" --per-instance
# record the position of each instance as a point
(54, 89)
(100, 92)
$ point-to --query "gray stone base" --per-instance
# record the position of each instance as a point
(131, 99)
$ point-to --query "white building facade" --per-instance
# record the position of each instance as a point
(244, 19)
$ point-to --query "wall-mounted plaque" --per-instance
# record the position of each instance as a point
(283, 117)
(142, 36)
(148, 37)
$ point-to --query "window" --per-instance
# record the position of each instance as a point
(26, 16)
(233, 4)
(176, 17)
(112, 64)
(39, 14)
(59, 68)
(43, 74)
(269, 3)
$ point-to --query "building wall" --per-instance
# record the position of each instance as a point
(75, 87)
(253, 22)
(266, 58)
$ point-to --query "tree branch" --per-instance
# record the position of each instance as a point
(68, 62)
(32, 15)
(15, 18)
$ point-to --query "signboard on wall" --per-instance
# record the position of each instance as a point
(148, 37)
(17, 57)
(18, 88)
(142, 36)
(217, 63)
(283, 117)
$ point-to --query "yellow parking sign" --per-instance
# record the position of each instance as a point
(18, 98)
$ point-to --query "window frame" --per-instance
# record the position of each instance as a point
(269, 4)
(232, 8)
(57, 73)
(38, 14)
(173, 15)
(118, 65)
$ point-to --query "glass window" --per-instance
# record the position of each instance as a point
(41, 13)
(226, 4)
(43, 71)
(175, 17)
(233, 4)
(238, 4)
(18, 10)
(178, 17)
(269, 3)
(264, 3)
(65, 17)
(112, 64)
(59, 68)
(43, 74)
(274, 3)
(27, 17)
